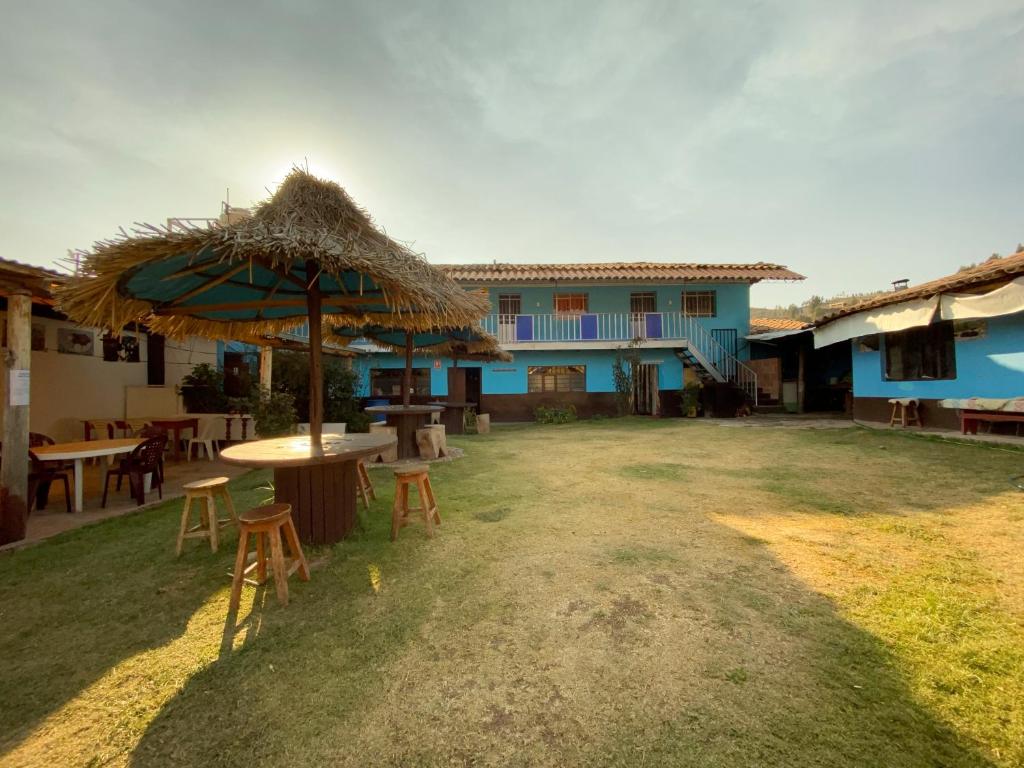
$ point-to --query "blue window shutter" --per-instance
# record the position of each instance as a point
(524, 328)
(652, 322)
(588, 327)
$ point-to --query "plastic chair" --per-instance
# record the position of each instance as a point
(42, 475)
(207, 429)
(144, 460)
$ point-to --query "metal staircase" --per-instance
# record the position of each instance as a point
(713, 362)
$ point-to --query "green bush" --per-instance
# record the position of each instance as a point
(556, 414)
(291, 375)
(274, 413)
(203, 390)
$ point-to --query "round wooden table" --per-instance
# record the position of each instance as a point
(408, 418)
(320, 485)
(454, 416)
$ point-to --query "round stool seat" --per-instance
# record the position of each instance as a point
(412, 469)
(270, 513)
(202, 485)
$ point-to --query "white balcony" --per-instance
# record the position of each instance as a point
(591, 329)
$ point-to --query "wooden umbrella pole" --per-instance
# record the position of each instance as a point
(407, 378)
(316, 374)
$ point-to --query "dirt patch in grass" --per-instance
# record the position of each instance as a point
(492, 515)
(657, 471)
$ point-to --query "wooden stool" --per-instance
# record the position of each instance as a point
(414, 474)
(431, 442)
(366, 490)
(267, 521)
(206, 491)
(907, 409)
(387, 455)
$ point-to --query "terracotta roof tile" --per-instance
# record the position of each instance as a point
(768, 324)
(986, 273)
(617, 271)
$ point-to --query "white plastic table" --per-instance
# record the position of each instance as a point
(84, 449)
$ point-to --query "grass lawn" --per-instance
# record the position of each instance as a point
(625, 592)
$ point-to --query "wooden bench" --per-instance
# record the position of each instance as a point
(969, 420)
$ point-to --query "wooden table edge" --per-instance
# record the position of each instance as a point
(306, 461)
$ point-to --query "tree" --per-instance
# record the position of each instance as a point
(814, 306)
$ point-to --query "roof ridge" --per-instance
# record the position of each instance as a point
(992, 269)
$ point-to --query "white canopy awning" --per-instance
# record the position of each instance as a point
(894, 317)
(1002, 301)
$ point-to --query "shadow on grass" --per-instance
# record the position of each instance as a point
(760, 669)
(312, 663)
(78, 605)
(778, 677)
(788, 682)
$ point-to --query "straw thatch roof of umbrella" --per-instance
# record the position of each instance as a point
(459, 351)
(248, 278)
(470, 339)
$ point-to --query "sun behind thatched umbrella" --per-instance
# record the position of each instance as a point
(308, 254)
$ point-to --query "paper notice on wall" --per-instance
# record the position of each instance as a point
(19, 387)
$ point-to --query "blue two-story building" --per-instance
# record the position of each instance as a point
(564, 325)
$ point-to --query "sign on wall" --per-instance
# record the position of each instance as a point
(19, 387)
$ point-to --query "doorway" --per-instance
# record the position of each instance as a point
(473, 386)
(640, 304)
(237, 376)
(645, 389)
(510, 305)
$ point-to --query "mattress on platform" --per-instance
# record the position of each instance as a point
(1008, 404)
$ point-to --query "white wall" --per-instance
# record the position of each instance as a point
(68, 388)
(180, 357)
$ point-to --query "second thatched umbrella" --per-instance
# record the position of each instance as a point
(307, 255)
(442, 342)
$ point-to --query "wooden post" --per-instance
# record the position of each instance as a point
(801, 373)
(266, 368)
(407, 378)
(316, 375)
(14, 461)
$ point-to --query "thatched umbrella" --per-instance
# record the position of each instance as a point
(308, 254)
(443, 342)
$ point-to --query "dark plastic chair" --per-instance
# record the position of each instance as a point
(144, 460)
(41, 474)
(147, 432)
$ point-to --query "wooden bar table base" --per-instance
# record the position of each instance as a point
(320, 487)
(454, 416)
(407, 418)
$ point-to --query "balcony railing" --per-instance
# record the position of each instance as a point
(626, 327)
(598, 326)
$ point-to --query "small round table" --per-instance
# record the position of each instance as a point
(408, 418)
(320, 485)
(454, 416)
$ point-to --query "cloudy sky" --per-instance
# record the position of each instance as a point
(856, 142)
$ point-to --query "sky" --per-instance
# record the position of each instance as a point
(855, 142)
